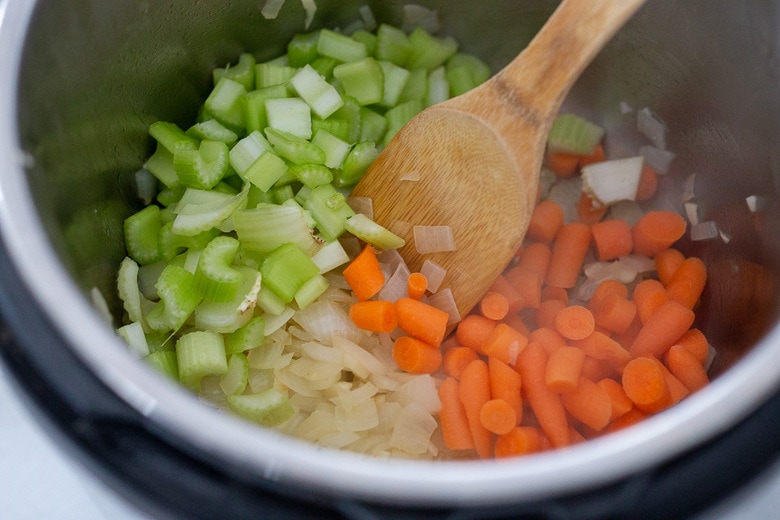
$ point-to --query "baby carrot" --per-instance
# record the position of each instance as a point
(415, 356)
(621, 404)
(546, 220)
(589, 404)
(513, 297)
(666, 263)
(575, 322)
(535, 259)
(563, 369)
(474, 391)
(374, 315)
(687, 283)
(506, 384)
(590, 211)
(522, 440)
(645, 384)
(364, 274)
(548, 337)
(545, 314)
(563, 164)
(568, 254)
(605, 288)
(656, 231)
(555, 293)
(493, 305)
(685, 367)
(516, 322)
(664, 327)
(473, 330)
(416, 285)
(633, 416)
(504, 343)
(597, 369)
(528, 285)
(422, 321)
(455, 360)
(615, 313)
(598, 155)
(648, 183)
(612, 239)
(648, 295)
(452, 417)
(677, 390)
(600, 346)
(546, 405)
(696, 342)
(497, 416)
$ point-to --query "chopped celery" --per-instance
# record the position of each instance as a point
(399, 115)
(357, 162)
(573, 134)
(255, 114)
(324, 66)
(438, 86)
(302, 49)
(268, 408)
(160, 164)
(270, 302)
(330, 256)
(335, 149)
(416, 87)
(133, 334)
(178, 298)
(392, 45)
(268, 226)
(350, 112)
(372, 125)
(320, 95)
(310, 291)
(141, 232)
(202, 168)
(340, 47)
(330, 209)
(312, 175)
(291, 115)
(294, 148)
(199, 354)
(247, 151)
(171, 136)
(128, 290)
(165, 362)
(234, 380)
(243, 72)
(171, 244)
(466, 71)
(224, 102)
(209, 211)
(214, 278)
(247, 337)
(366, 38)
(266, 170)
(395, 79)
(369, 231)
(282, 194)
(362, 80)
(272, 74)
(429, 52)
(286, 269)
(213, 130)
(228, 316)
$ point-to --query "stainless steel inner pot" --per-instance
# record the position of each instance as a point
(83, 79)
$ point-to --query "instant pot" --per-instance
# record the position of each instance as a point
(83, 79)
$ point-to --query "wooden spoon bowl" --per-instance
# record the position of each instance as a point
(472, 163)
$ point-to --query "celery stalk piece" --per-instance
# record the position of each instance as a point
(168, 197)
(337, 126)
(247, 151)
(128, 290)
(268, 226)
(340, 47)
(160, 164)
(202, 168)
(573, 134)
(392, 45)
(466, 71)
(362, 80)
(283, 193)
(395, 80)
(224, 102)
(228, 316)
(270, 303)
(141, 231)
(330, 209)
(312, 175)
(294, 148)
(165, 362)
(214, 278)
(286, 269)
(335, 149)
(170, 244)
(266, 170)
(369, 231)
(234, 381)
(272, 74)
(372, 125)
(398, 116)
(429, 52)
(357, 162)
(351, 113)
(171, 136)
(254, 106)
(133, 335)
(366, 38)
(199, 354)
(416, 87)
(248, 337)
(302, 49)
(320, 95)
(438, 86)
(242, 72)
(209, 211)
(213, 130)
(178, 298)
(310, 291)
(291, 115)
(268, 408)
(330, 256)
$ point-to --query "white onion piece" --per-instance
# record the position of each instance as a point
(134, 336)
(637, 263)
(704, 231)
(363, 205)
(422, 390)
(145, 186)
(725, 237)
(444, 300)
(310, 7)
(419, 16)
(612, 181)
(755, 203)
(625, 108)
(692, 212)
(434, 273)
(413, 429)
(433, 239)
(658, 158)
(271, 9)
(359, 360)
(651, 127)
(395, 287)
(566, 192)
(392, 258)
(326, 320)
(688, 189)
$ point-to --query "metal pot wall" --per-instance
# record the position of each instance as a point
(82, 81)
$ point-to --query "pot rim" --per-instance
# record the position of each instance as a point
(292, 462)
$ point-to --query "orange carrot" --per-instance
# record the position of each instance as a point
(589, 211)
(374, 315)
(504, 343)
(598, 155)
(522, 440)
(648, 295)
(563, 369)
(645, 384)
(612, 239)
(600, 346)
(555, 293)
(666, 263)
(605, 288)
(685, 367)
(516, 322)
(630, 418)
(513, 297)
(364, 274)
(546, 220)
(493, 305)
(474, 391)
(497, 416)
(677, 390)
(506, 384)
(452, 417)
(656, 231)
(563, 164)
(687, 283)
(696, 342)
(535, 260)
(546, 405)
(549, 338)
(615, 313)
(416, 285)
(415, 356)
(664, 327)
(422, 321)
(455, 360)
(589, 404)
(568, 254)
(597, 369)
(628, 337)
(545, 314)
(473, 330)
(621, 404)
(648, 183)
(575, 322)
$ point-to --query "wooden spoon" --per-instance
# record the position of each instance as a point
(478, 156)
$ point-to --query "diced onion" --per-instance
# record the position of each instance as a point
(420, 389)
(658, 158)
(445, 301)
(612, 181)
(704, 231)
(310, 7)
(692, 212)
(755, 203)
(271, 9)
(433, 239)
(434, 273)
(651, 127)
(625, 108)
(413, 429)
(419, 16)
(688, 191)
(395, 286)
(364, 205)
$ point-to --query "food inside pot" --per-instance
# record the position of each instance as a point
(255, 280)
